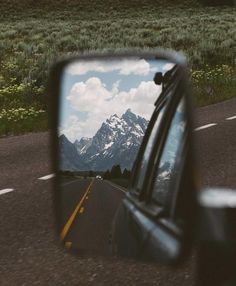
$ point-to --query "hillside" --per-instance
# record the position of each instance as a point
(33, 34)
(107, 5)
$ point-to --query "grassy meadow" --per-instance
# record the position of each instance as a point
(33, 34)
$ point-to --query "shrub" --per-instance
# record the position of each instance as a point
(212, 84)
(13, 121)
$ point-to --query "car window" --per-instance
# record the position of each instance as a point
(167, 168)
(147, 152)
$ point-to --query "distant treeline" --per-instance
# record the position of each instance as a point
(84, 174)
(217, 2)
(114, 173)
(59, 4)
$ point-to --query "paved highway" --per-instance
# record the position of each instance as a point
(29, 252)
(88, 209)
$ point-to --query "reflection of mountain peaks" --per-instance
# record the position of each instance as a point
(116, 142)
(83, 144)
(69, 155)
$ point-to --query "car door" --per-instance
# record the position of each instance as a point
(163, 185)
(149, 226)
(126, 235)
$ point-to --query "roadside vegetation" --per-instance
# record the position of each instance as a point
(33, 34)
(115, 175)
(213, 84)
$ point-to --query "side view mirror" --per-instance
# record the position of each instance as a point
(122, 155)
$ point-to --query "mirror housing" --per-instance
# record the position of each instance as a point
(180, 234)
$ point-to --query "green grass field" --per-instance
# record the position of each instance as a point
(33, 34)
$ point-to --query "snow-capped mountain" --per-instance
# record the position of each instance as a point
(82, 145)
(69, 158)
(116, 142)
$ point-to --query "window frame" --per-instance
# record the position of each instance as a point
(171, 98)
(170, 112)
(176, 78)
(174, 184)
(162, 100)
(140, 156)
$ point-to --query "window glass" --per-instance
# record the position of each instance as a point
(167, 169)
(147, 152)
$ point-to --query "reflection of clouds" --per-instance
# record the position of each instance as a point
(182, 125)
(83, 95)
(167, 169)
(180, 107)
(71, 127)
(168, 66)
(99, 103)
(176, 135)
(125, 67)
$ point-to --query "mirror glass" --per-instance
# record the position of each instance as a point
(105, 108)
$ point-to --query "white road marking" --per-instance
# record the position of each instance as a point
(115, 186)
(205, 126)
(231, 118)
(71, 182)
(4, 191)
(44, 178)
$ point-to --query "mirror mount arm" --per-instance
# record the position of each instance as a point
(216, 237)
(158, 78)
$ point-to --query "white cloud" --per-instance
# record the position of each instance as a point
(125, 67)
(168, 66)
(83, 95)
(99, 103)
(71, 128)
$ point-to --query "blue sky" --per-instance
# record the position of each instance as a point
(93, 91)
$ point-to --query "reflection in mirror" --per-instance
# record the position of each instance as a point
(167, 169)
(105, 108)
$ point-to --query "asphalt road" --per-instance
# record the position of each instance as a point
(88, 209)
(29, 251)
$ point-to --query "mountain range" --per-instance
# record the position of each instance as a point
(116, 142)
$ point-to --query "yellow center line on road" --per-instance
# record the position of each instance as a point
(73, 215)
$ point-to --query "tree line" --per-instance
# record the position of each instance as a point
(217, 2)
(116, 173)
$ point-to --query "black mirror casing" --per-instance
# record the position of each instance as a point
(186, 199)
